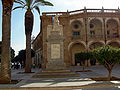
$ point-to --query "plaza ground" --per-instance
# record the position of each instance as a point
(82, 82)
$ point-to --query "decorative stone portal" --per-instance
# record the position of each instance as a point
(76, 48)
(55, 52)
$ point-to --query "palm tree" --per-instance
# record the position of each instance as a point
(29, 5)
(6, 30)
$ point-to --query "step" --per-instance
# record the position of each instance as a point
(61, 70)
(56, 76)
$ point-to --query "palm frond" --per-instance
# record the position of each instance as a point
(28, 3)
(41, 3)
(37, 4)
(2, 1)
(19, 7)
(20, 2)
(34, 2)
(31, 1)
(45, 2)
(37, 8)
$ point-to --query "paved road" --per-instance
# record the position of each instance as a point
(68, 83)
(97, 71)
(101, 88)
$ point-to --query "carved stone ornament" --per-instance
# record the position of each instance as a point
(56, 20)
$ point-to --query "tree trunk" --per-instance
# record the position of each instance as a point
(28, 53)
(109, 68)
(6, 33)
(28, 32)
(109, 74)
(83, 65)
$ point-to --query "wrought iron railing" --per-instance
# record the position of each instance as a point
(95, 36)
(112, 36)
(77, 37)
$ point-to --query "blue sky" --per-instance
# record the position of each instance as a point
(17, 21)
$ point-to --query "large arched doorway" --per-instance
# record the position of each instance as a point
(76, 48)
(93, 46)
(114, 44)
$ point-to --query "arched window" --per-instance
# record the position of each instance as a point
(76, 26)
(95, 28)
(112, 28)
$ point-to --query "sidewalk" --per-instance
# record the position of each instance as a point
(62, 83)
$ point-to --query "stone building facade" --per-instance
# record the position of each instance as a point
(74, 32)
